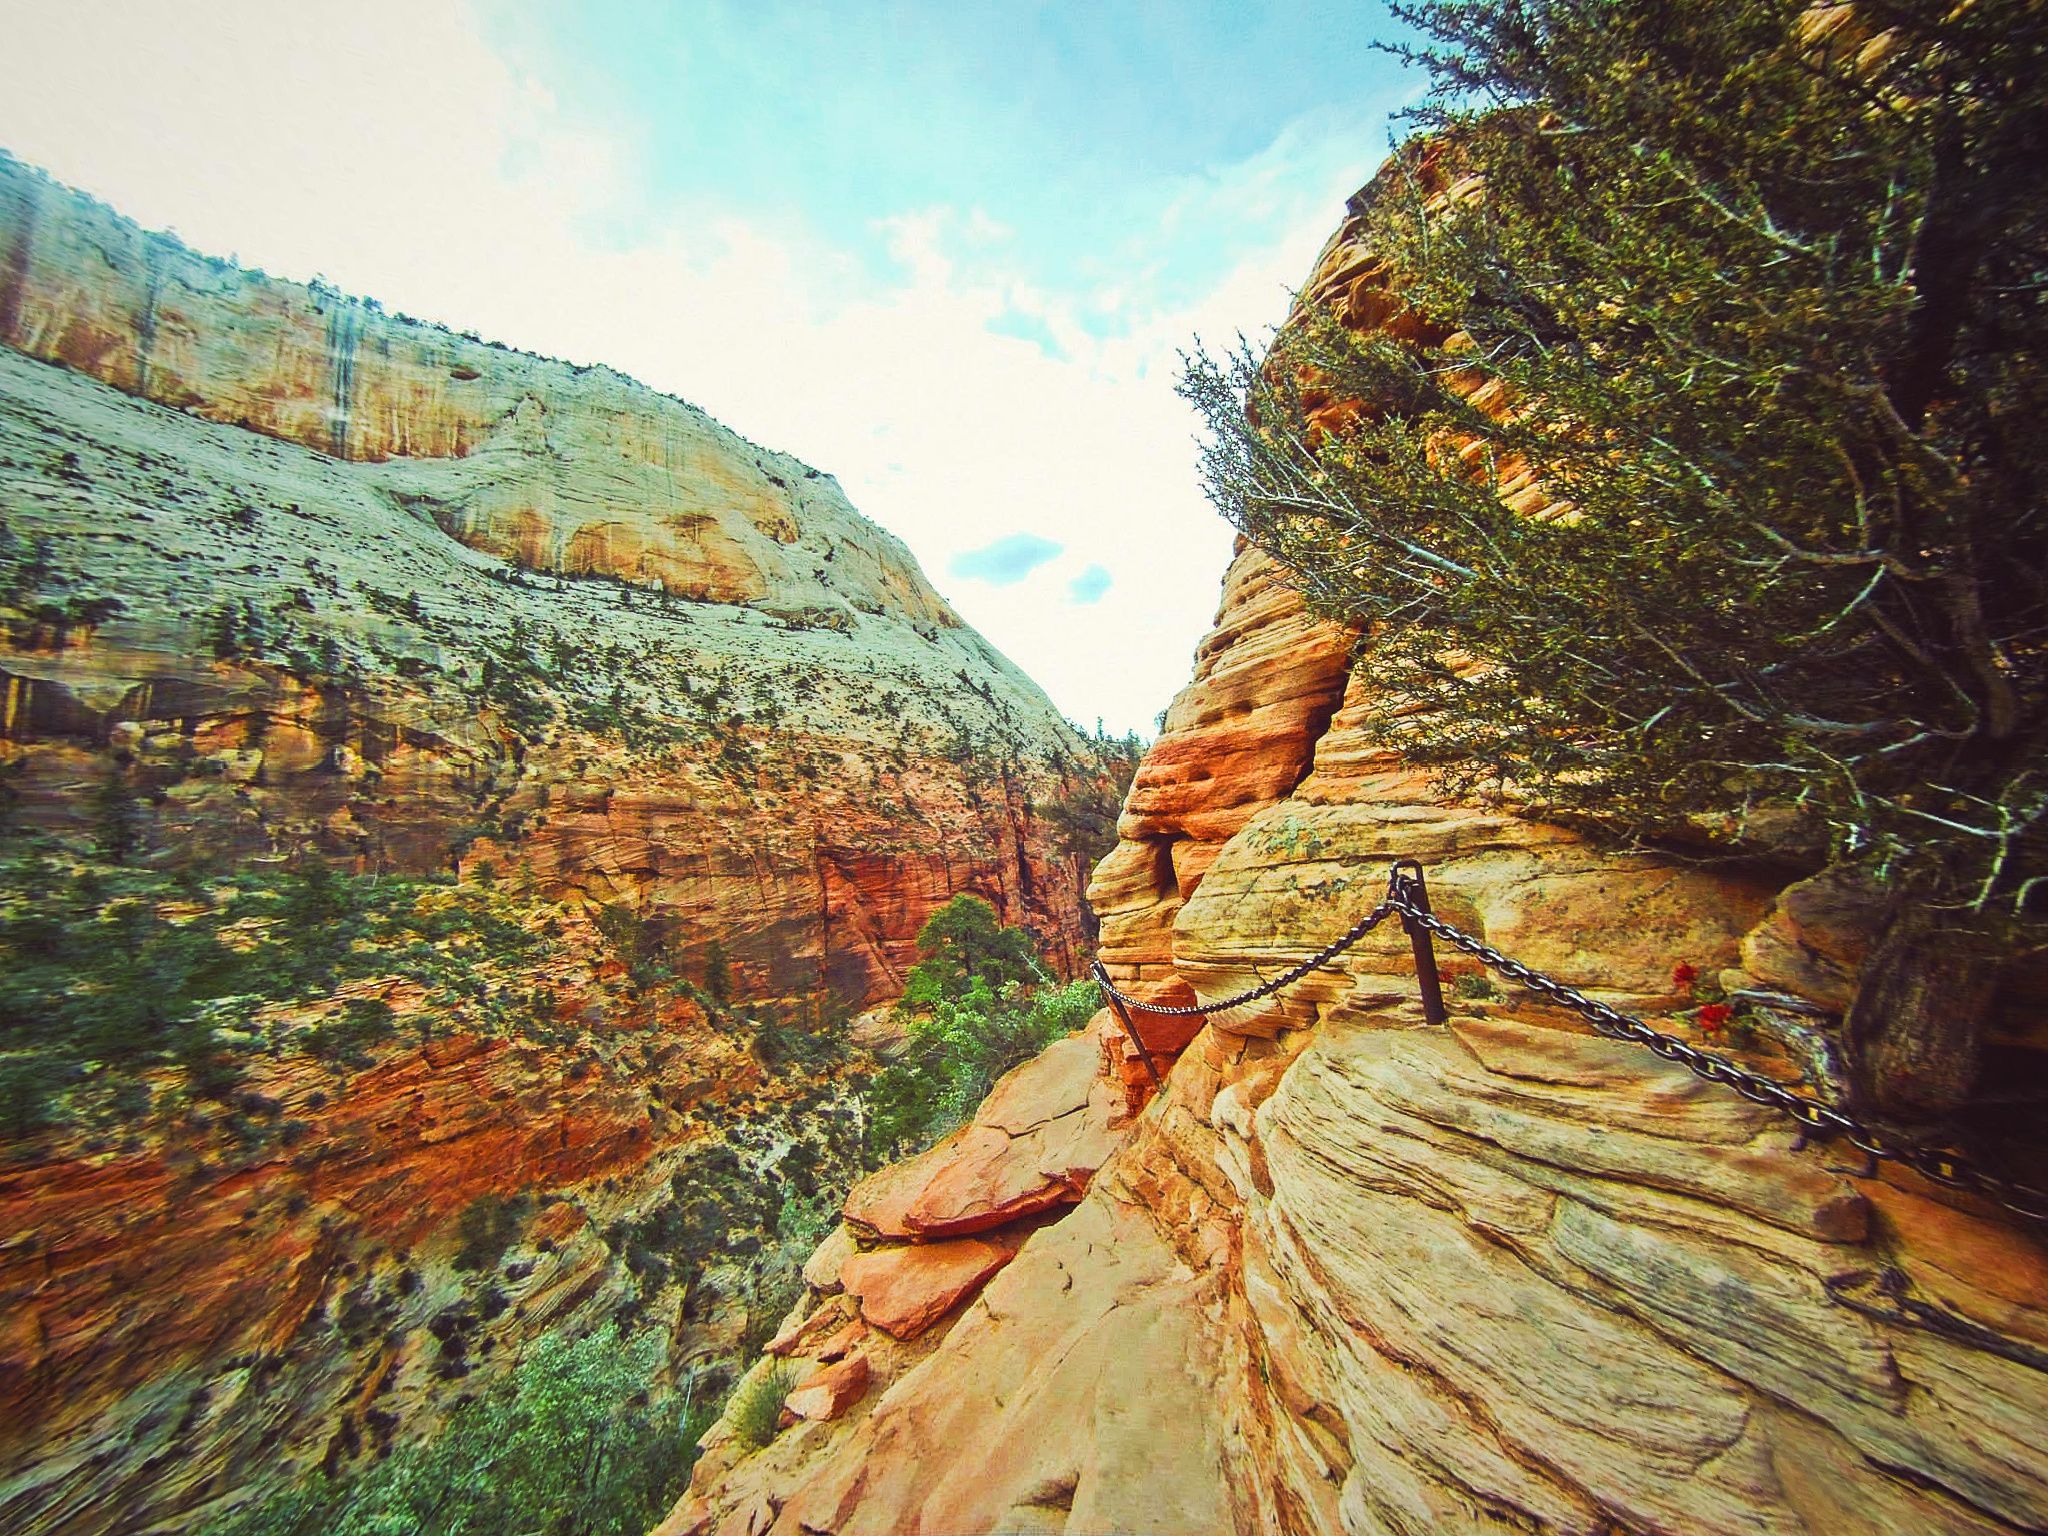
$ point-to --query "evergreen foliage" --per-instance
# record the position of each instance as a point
(980, 1004)
(1766, 303)
(957, 1050)
(577, 1441)
(963, 941)
(119, 822)
(108, 972)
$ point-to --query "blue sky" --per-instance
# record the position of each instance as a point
(947, 252)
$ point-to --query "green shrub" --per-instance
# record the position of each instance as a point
(634, 940)
(756, 1409)
(108, 971)
(574, 1442)
(958, 1050)
(489, 1227)
(361, 1023)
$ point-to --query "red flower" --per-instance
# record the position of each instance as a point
(1683, 976)
(1714, 1015)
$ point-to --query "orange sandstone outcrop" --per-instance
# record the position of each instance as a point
(1236, 740)
(1353, 1273)
(461, 601)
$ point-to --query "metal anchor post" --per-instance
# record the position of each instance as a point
(1406, 885)
(1116, 1004)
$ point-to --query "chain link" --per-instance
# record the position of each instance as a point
(1264, 989)
(1811, 1114)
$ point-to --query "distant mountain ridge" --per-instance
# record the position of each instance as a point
(290, 584)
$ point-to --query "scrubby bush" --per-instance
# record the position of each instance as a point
(109, 971)
(757, 1406)
(577, 1441)
(958, 1050)
(488, 1227)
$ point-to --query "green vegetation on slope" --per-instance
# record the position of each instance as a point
(109, 973)
(974, 1017)
(580, 1439)
(589, 1437)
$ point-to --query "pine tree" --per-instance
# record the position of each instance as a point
(224, 632)
(1759, 293)
(119, 820)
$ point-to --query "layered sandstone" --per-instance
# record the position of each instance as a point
(548, 465)
(221, 1302)
(1353, 1272)
(489, 602)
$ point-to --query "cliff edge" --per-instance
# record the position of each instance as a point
(1352, 1272)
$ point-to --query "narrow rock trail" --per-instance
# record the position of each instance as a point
(1352, 1273)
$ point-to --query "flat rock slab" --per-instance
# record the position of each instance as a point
(842, 1343)
(1035, 1144)
(903, 1291)
(1051, 1084)
(829, 1392)
(977, 1178)
(799, 1338)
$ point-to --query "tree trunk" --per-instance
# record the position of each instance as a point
(1915, 1032)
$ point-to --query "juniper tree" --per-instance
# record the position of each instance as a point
(1760, 295)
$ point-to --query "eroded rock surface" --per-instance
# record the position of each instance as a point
(1353, 1273)
(382, 592)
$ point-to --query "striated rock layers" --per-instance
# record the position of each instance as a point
(456, 597)
(1350, 1272)
(204, 1313)
(285, 578)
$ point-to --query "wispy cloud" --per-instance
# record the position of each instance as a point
(1090, 585)
(955, 388)
(1005, 562)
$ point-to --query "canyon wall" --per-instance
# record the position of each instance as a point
(476, 599)
(1353, 1272)
(285, 579)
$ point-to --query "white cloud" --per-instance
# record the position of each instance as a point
(393, 151)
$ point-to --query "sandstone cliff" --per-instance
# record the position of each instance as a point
(297, 580)
(457, 591)
(1350, 1272)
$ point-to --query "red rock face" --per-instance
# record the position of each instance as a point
(197, 1317)
(1349, 1272)
(456, 608)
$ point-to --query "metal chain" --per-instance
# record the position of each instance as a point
(1264, 989)
(1821, 1119)
(1946, 1168)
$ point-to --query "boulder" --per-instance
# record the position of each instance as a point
(827, 1393)
(903, 1291)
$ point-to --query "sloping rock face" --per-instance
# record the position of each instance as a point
(293, 579)
(458, 599)
(217, 1303)
(1351, 1272)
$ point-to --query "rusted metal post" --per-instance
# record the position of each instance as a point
(1117, 1006)
(1409, 887)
